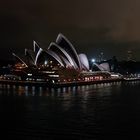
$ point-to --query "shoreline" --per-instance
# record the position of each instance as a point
(63, 84)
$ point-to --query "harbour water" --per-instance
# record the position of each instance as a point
(100, 111)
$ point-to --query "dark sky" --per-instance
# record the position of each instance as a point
(93, 26)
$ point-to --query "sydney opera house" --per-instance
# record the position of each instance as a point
(58, 62)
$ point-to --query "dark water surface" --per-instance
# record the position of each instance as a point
(102, 111)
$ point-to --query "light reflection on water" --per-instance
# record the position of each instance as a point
(45, 91)
(79, 112)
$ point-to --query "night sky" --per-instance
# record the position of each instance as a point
(93, 26)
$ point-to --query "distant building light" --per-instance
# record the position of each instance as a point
(48, 71)
(114, 75)
(53, 75)
(45, 62)
(29, 74)
(93, 60)
(39, 79)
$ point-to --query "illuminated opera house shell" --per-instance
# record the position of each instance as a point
(61, 52)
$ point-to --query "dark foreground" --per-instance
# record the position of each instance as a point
(100, 111)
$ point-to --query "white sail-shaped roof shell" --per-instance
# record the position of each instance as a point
(36, 47)
(99, 67)
(48, 53)
(68, 47)
(105, 66)
(19, 59)
(66, 58)
(84, 61)
(55, 56)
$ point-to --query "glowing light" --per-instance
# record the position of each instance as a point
(29, 74)
(45, 62)
(93, 60)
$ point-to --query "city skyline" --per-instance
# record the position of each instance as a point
(93, 26)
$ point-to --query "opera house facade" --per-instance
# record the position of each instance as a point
(58, 62)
